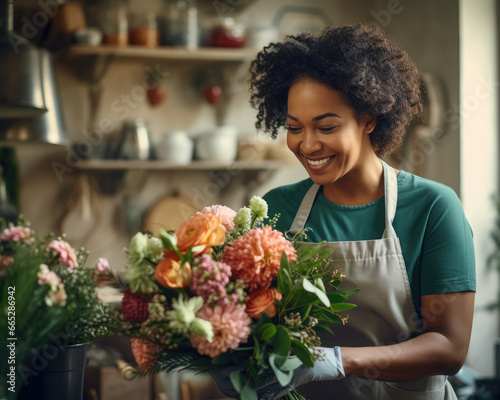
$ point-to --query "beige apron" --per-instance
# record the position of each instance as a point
(385, 313)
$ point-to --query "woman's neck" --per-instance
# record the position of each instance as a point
(362, 185)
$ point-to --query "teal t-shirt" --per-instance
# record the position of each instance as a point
(435, 237)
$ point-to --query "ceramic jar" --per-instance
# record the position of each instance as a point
(176, 147)
(221, 144)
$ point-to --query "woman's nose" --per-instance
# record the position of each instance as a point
(310, 143)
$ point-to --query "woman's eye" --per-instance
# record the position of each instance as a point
(326, 129)
(292, 129)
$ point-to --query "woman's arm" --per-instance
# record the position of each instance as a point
(440, 350)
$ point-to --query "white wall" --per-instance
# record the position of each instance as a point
(479, 160)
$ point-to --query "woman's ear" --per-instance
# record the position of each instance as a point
(369, 122)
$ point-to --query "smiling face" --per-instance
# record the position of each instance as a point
(325, 135)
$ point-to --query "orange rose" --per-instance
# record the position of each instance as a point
(262, 301)
(200, 230)
(170, 274)
(144, 352)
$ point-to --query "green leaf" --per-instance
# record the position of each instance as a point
(221, 359)
(169, 241)
(281, 341)
(284, 377)
(324, 328)
(342, 306)
(248, 392)
(345, 293)
(291, 364)
(237, 380)
(302, 352)
(284, 262)
(266, 331)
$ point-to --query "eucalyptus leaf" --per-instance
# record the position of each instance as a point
(248, 392)
(291, 364)
(237, 380)
(284, 377)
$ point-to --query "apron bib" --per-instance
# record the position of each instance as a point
(385, 313)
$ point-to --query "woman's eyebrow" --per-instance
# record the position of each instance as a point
(325, 115)
(317, 118)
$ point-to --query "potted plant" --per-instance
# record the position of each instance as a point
(50, 312)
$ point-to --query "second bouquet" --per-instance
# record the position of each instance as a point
(227, 291)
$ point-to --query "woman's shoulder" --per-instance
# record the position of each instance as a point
(425, 188)
(421, 193)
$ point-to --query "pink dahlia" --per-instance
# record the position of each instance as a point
(255, 257)
(17, 233)
(145, 352)
(210, 279)
(225, 214)
(66, 254)
(230, 324)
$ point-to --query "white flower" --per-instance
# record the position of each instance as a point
(243, 218)
(155, 248)
(202, 328)
(138, 245)
(183, 313)
(258, 207)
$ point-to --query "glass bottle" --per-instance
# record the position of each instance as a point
(115, 24)
(144, 30)
(182, 24)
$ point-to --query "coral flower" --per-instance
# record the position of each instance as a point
(66, 253)
(262, 301)
(200, 230)
(145, 352)
(225, 214)
(255, 257)
(230, 325)
(170, 274)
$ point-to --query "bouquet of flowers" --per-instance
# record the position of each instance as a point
(48, 296)
(225, 289)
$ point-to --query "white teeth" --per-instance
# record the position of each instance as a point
(318, 162)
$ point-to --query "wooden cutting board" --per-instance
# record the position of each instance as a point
(169, 213)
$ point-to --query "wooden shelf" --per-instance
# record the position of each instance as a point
(205, 54)
(115, 165)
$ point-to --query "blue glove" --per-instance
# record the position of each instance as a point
(329, 368)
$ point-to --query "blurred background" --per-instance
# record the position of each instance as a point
(148, 121)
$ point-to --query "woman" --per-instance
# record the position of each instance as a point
(346, 98)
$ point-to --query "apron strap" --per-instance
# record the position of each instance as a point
(305, 208)
(391, 201)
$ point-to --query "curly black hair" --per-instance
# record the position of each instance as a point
(373, 72)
